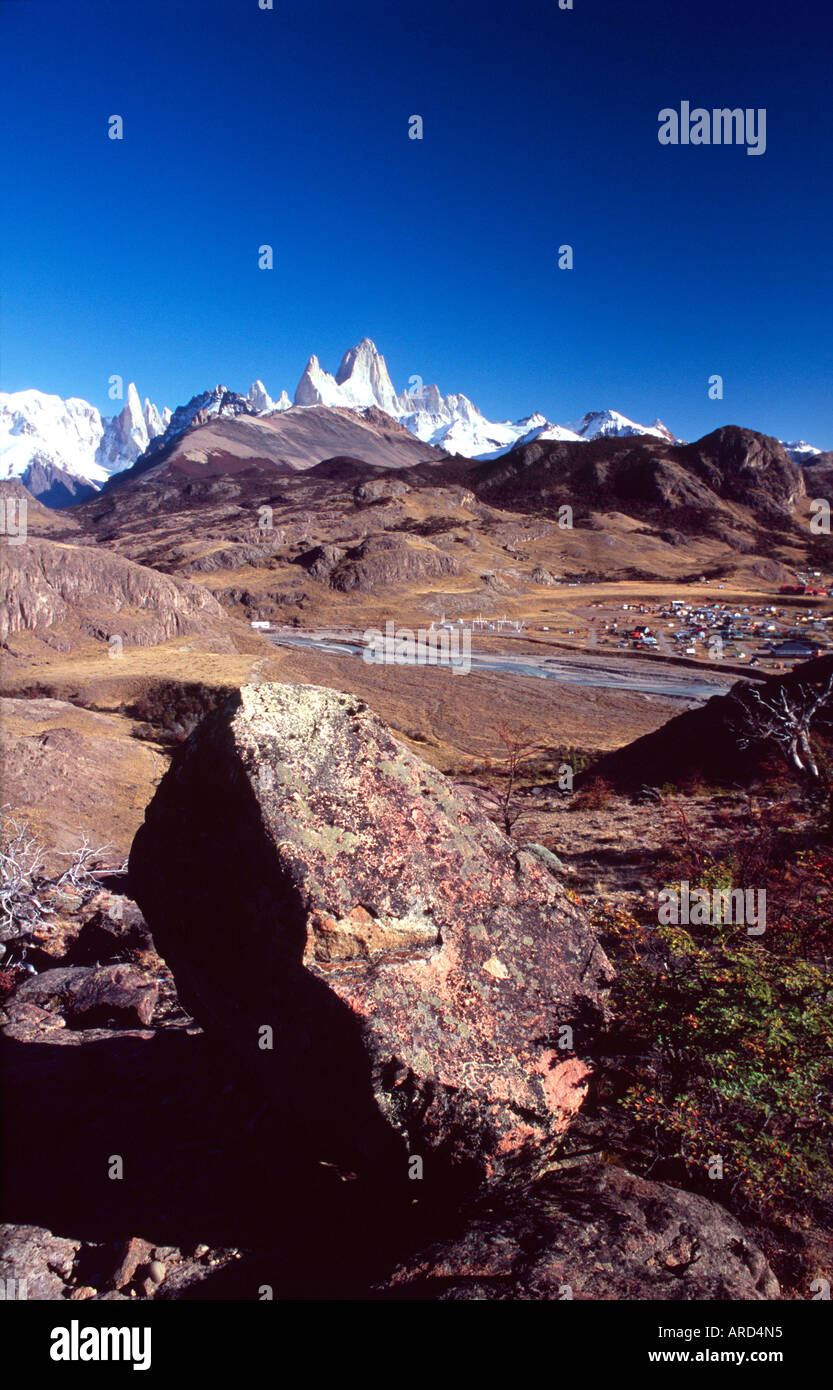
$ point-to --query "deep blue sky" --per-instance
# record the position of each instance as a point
(290, 127)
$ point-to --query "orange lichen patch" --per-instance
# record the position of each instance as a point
(514, 1139)
(564, 1083)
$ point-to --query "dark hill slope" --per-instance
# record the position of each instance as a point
(703, 742)
(732, 477)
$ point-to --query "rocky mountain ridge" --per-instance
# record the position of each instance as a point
(63, 451)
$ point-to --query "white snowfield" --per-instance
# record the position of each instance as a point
(71, 436)
(36, 428)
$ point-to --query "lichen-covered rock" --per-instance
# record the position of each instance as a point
(34, 1263)
(366, 937)
(594, 1232)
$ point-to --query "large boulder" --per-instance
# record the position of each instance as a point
(378, 952)
(593, 1232)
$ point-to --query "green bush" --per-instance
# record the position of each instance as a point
(730, 1048)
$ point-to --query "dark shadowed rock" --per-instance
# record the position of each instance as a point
(594, 1233)
(114, 925)
(704, 741)
(84, 997)
(302, 871)
(689, 486)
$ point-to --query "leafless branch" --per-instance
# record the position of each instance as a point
(25, 888)
(783, 717)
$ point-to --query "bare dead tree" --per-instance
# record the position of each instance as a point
(81, 874)
(785, 718)
(21, 859)
(25, 888)
(520, 746)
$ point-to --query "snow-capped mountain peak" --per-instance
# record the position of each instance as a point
(610, 424)
(361, 381)
(662, 429)
(534, 421)
(219, 400)
(800, 451)
(50, 441)
(452, 422)
(363, 377)
(258, 398)
(62, 449)
(156, 422)
(125, 436)
(318, 387)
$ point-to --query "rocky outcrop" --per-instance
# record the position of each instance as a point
(379, 489)
(321, 560)
(384, 560)
(115, 996)
(34, 1263)
(401, 979)
(232, 557)
(744, 466)
(46, 581)
(367, 940)
(594, 1233)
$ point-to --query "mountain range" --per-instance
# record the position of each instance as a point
(64, 451)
